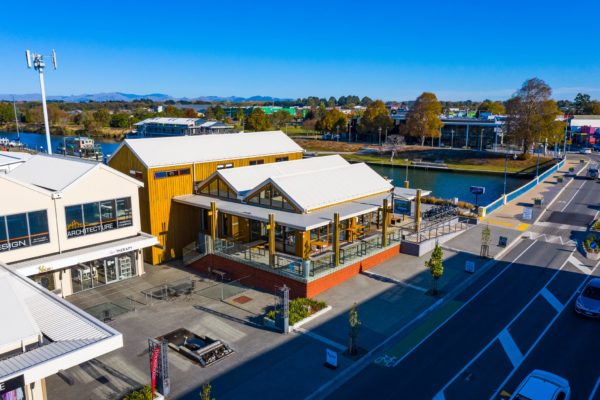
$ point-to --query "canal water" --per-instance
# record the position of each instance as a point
(445, 184)
(37, 141)
(450, 184)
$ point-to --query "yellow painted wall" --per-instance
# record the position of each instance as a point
(156, 210)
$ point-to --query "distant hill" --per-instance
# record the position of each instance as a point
(118, 96)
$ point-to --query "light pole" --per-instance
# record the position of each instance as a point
(349, 131)
(565, 143)
(537, 164)
(379, 129)
(406, 183)
(37, 61)
(337, 132)
(385, 137)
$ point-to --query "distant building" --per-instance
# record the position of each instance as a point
(165, 126)
(585, 129)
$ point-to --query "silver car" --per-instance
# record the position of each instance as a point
(588, 301)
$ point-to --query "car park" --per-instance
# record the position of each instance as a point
(588, 301)
(542, 385)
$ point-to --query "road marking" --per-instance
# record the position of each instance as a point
(491, 342)
(464, 304)
(320, 338)
(554, 302)
(384, 278)
(495, 395)
(510, 347)
(595, 389)
(522, 227)
(574, 194)
(579, 265)
(439, 396)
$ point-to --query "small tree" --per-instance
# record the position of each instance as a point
(205, 394)
(354, 323)
(485, 241)
(435, 264)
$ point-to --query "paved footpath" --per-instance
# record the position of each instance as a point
(490, 335)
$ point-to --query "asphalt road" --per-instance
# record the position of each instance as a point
(517, 317)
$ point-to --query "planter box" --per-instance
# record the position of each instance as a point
(560, 179)
(538, 201)
(310, 318)
(591, 255)
(592, 227)
(571, 169)
(269, 322)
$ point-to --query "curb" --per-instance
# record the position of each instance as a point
(309, 318)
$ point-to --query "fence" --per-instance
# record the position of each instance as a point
(496, 204)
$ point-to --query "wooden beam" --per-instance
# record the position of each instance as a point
(213, 222)
(418, 211)
(271, 229)
(385, 222)
(336, 238)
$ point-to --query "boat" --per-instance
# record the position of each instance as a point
(4, 142)
(80, 146)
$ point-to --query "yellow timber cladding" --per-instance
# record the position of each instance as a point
(174, 225)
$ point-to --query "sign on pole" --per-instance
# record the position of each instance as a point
(470, 266)
(527, 213)
(159, 366)
(331, 358)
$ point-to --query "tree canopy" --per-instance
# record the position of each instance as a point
(423, 119)
(258, 121)
(494, 107)
(375, 116)
(531, 115)
(280, 118)
(333, 118)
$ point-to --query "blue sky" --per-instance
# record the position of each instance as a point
(391, 50)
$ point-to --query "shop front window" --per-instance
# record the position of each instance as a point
(100, 216)
(104, 271)
(23, 230)
(45, 280)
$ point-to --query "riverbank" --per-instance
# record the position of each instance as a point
(107, 133)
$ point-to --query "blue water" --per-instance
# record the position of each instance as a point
(450, 184)
(36, 141)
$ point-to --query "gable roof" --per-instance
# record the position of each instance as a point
(56, 173)
(245, 179)
(321, 188)
(177, 150)
(172, 121)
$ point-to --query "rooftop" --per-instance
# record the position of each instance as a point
(177, 150)
(172, 121)
(12, 157)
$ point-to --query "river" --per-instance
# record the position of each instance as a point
(37, 141)
(450, 184)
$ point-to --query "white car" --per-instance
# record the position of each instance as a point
(585, 150)
(542, 385)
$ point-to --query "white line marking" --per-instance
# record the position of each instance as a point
(579, 265)
(595, 389)
(554, 302)
(491, 342)
(574, 194)
(320, 338)
(461, 307)
(495, 395)
(510, 347)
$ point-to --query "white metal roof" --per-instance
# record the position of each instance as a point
(409, 194)
(22, 326)
(244, 179)
(325, 187)
(177, 150)
(75, 336)
(13, 157)
(56, 173)
(171, 121)
(585, 120)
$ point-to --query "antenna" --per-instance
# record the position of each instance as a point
(28, 57)
(54, 62)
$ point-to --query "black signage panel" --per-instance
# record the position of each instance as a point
(12, 384)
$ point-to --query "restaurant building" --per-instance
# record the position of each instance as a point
(175, 166)
(309, 224)
(41, 335)
(71, 225)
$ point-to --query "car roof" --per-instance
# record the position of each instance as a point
(595, 282)
(538, 388)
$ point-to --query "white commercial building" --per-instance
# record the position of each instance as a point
(42, 334)
(71, 225)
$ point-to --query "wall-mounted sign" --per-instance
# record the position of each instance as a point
(402, 207)
(8, 386)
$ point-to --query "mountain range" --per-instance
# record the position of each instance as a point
(119, 96)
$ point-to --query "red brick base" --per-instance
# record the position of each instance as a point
(268, 281)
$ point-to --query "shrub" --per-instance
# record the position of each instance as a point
(300, 308)
(596, 225)
(587, 243)
(144, 393)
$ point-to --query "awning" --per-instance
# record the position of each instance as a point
(409, 194)
(74, 257)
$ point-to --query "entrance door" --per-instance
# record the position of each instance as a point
(85, 277)
(126, 267)
(111, 270)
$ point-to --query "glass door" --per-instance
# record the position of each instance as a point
(126, 267)
(110, 266)
(85, 276)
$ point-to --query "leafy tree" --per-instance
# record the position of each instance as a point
(331, 102)
(240, 115)
(89, 122)
(435, 264)
(102, 117)
(595, 108)
(258, 121)
(33, 115)
(120, 120)
(321, 110)
(190, 113)
(354, 323)
(423, 119)
(365, 101)
(172, 111)
(332, 119)
(531, 115)
(375, 116)
(205, 394)
(582, 103)
(494, 107)
(280, 118)
(6, 113)
(220, 113)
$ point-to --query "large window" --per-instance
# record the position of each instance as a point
(270, 197)
(217, 188)
(100, 216)
(171, 173)
(23, 230)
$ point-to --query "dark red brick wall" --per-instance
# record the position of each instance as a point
(264, 280)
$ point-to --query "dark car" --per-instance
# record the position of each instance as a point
(588, 302)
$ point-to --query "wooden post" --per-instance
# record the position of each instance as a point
(385, 222)
(213, 223)
(271, 228)
(418, 211)
(336, 238)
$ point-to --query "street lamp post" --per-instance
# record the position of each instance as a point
(379, 129)
(537, 164)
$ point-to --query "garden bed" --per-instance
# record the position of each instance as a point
(591, 247)
(302, 310)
